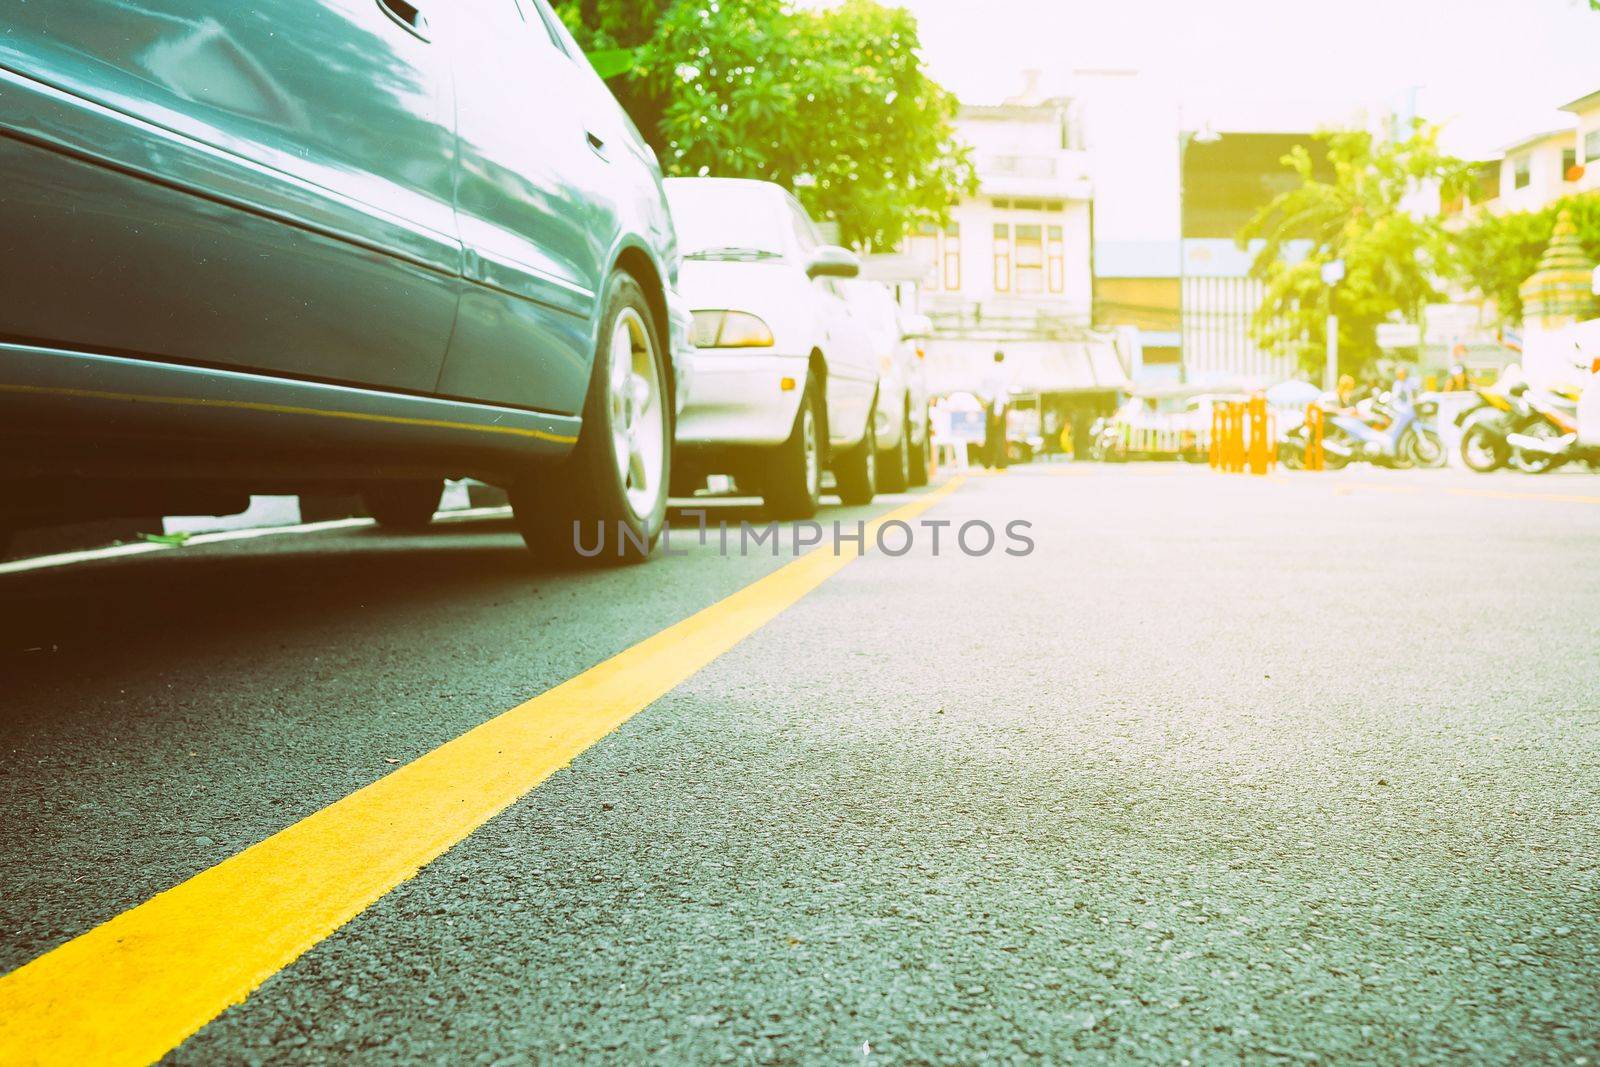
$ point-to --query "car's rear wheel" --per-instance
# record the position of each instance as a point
(791, 484)
(606, 502)
(407, 505)
(919, 461)
(894, 465)
(857, 470)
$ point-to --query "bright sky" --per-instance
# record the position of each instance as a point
(1498, 69)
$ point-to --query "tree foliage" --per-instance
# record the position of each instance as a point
(1496, 253)
(1393, 256)
(833, 104)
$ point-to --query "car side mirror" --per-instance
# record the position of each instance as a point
(831, 261)
(913, 326)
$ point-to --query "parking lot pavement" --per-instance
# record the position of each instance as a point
(1303, 767)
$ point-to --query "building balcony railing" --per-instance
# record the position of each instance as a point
(1057, 175)
(1021, 166)
(1008, 319)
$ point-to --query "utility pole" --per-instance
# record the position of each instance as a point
(1330, 379)
(1332, 275)
(1204, 135)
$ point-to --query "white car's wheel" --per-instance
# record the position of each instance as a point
(857, 470)
(791, 484)
(919, 455)
(894, 464)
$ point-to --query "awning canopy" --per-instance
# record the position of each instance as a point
(1088, 366)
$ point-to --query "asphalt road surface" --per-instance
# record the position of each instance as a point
(1304, 768)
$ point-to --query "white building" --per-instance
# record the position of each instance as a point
(1012, 270)
(1175, 181)
(1540, 169)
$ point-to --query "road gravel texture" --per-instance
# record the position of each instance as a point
(1296, 769)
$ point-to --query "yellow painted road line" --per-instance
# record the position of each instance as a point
(136, 986)
(1352, 488)
(1506, 494)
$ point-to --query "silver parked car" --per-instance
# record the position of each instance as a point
(902, 412)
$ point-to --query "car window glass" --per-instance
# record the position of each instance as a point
(556, 28)
(713, 215)
(533, 16)
(805, 233)
(872, 304)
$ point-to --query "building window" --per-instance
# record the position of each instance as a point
(1058, 260)
(952, 256)
(939, 251)
(923, 247)
(1520, 174)
(1030, 260)
(1569, 164)
(1591, 147)
(1488, 182)
(1002, 257)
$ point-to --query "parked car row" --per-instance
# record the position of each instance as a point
(356, 257)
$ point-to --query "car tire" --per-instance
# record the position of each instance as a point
(894, 465)
(857, 470)
(606, 502)
(919, 462)
(791, 483)
(407, 505)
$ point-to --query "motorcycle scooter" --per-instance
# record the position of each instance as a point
(1553, 437)
(1391, 433)
(1519, 427)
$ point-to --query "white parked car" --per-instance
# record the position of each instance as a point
(784, 377)
(901, 422)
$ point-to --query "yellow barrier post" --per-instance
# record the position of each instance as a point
(1236, 436)
(1316, 456)
(1258, 435)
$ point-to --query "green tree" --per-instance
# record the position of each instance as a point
(1393, 256)
(834, 104)
(1495, 254)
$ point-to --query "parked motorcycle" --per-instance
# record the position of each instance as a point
(1519, 427)
(1553, 439)
(1105, 445)
(1391, 432)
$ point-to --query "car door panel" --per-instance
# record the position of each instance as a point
(137, 267)
(323, 126)
(534, 216)
(852, 373)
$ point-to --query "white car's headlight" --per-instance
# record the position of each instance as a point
(730, 329)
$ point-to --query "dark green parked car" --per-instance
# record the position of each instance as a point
(327, 245)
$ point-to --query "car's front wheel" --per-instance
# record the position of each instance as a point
(919, 457)
(857, 470)
(894, 465)
(791, 484)
(607, 501)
